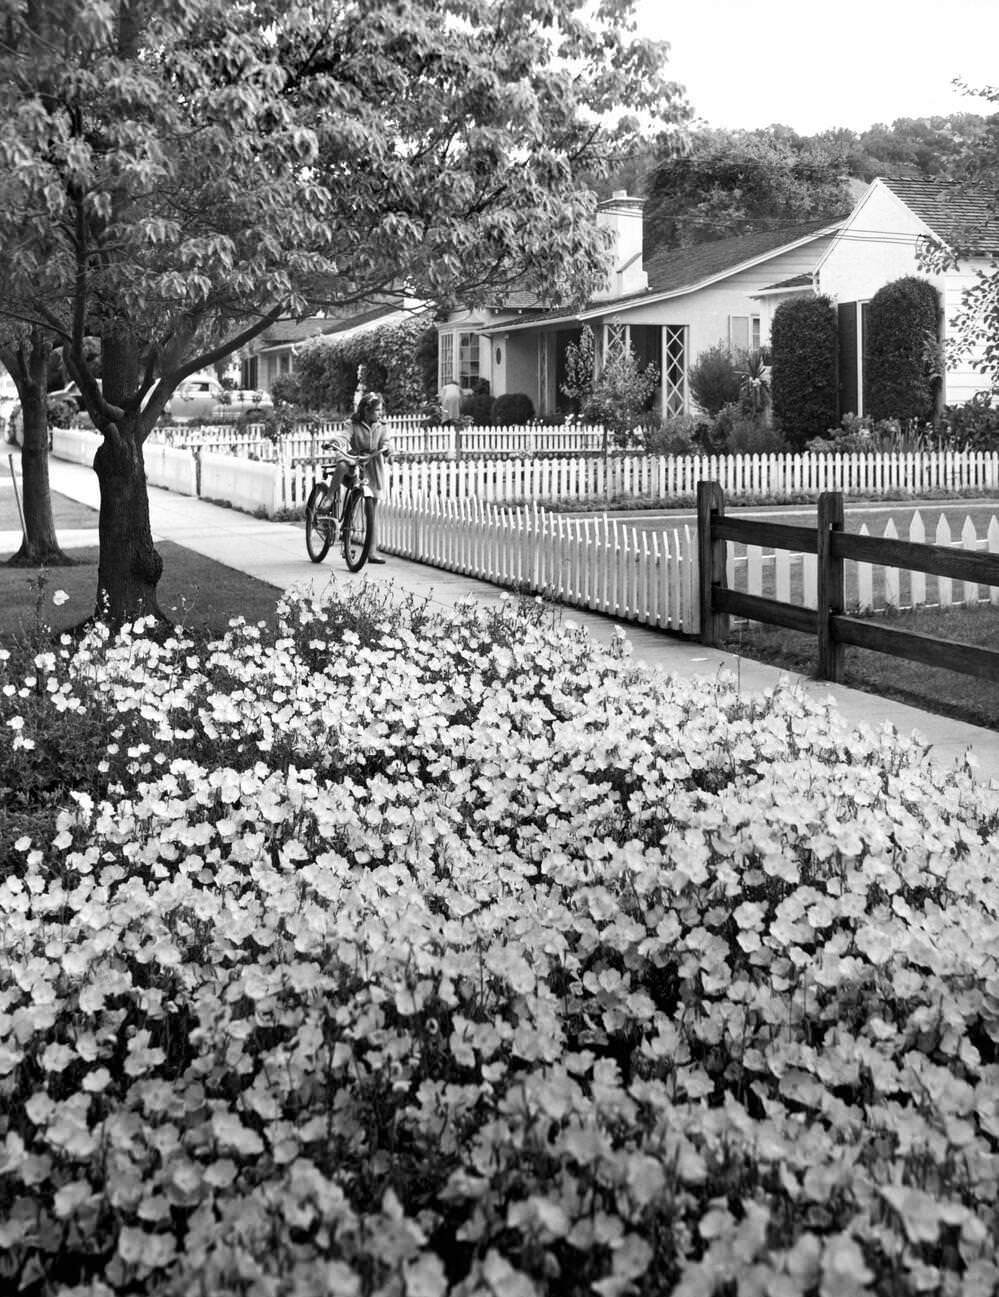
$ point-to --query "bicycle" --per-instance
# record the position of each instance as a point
(353, 521)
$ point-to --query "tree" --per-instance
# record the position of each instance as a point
(580, 370)
(622, 395)
(175, 175)
(742, 182)
(26, 354)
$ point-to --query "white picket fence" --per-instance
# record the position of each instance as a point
(597, 563)
(607, 565)
(408, 436)
(792, 577)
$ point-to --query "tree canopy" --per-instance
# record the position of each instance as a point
(724, 182)
(176, 174)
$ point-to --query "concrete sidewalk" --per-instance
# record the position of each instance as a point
(275, 553)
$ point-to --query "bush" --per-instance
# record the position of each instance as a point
(973, 426)
(747, 434)
(478, 406)
(683, 434)
(512, 410)
(395, 362)
(903, 370)
(803, 348)
(714, 379)
(867, 434)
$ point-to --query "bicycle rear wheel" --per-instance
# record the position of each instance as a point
(319, 522)
(357, 531)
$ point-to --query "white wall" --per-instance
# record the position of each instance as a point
(878, 245)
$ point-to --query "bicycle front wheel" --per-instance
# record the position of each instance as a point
(357, 530)
(319, 523)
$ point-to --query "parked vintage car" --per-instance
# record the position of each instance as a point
(205, 399)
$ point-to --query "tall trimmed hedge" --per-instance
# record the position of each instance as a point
(400, 361)
(803, 340)
(901, 351)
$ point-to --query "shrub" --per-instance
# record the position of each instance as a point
(749, 434)
(681, 435)
(803, 345)
(394, 358)
(902, 364)
(622, 396)
(478, 405)
(867, 434)
(512, 409)
(714, 379)
(973, 426)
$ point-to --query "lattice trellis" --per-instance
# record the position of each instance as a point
(543, 371)
(674, 370)
(616, 341)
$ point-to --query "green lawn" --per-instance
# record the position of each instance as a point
(196, 591)
(934, 689)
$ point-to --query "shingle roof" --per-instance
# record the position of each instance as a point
(675, 268)
(284, 333)
(962, 216)
(796, 281)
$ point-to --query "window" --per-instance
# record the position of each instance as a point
(446, 358)
(468, 359)
(743, 333)
(248, 373)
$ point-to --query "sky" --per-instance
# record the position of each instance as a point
(813, 66)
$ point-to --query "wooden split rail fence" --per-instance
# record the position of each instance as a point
(828, 620)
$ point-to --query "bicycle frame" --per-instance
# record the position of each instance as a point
(349, 512)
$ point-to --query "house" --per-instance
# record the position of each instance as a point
(880, 242)
(272, 354)
(670, 308)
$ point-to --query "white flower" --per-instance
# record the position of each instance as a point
(59, 598)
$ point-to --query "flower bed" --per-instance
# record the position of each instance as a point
(411, 955)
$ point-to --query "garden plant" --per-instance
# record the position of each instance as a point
(403, 953)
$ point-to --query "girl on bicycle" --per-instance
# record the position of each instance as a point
(368, 436)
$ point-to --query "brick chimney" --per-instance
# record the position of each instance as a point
(623, 217)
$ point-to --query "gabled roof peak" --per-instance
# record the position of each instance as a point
(960, 214)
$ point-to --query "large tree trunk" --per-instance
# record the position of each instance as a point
(130, 567)
(28, 365)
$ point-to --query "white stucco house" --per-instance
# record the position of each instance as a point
(880, 242)
(670, 307)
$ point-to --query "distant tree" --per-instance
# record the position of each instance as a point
(929, 148)
(175, 175)
(740, 182)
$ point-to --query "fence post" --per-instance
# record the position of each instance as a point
(829, 586)
(711, 561)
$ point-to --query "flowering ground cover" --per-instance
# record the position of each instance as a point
(402, 954)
